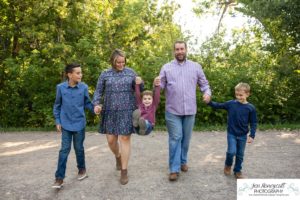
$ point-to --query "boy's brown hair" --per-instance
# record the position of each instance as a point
(147, 92)
(243, 86)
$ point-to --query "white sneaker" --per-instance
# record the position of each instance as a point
(58, 184)
(82, 175)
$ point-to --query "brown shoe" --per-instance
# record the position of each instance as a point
(124, 177)
(143, 126)
(173, 177)
(184, 168)
(238, 175)
(227, 170)
(135, 117)
(58, 183)
(118, 163)
(82, 174)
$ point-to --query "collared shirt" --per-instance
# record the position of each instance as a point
(180, 80)
(69, 106)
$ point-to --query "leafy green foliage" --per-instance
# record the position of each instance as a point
(37, 39)
(266, 56)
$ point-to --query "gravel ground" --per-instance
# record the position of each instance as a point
(28, 162)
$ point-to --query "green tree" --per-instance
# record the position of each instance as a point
(38, 38)
(272, 55)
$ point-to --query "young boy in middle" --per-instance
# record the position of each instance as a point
(241, 114)
(143, 118)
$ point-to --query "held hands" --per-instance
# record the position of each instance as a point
(97, 109)
(206, 98)
(58, 128)
(250, 139)
(138, 80)
(156, 81)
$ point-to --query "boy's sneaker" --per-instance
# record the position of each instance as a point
(238, 175)
(227, 170)
(142, 125)
(82, 174)
(58, 184)
(135, 117)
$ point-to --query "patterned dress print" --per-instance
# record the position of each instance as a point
(115, 91)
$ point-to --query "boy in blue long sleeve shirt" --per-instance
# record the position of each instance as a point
(241, 113)
(72, 98)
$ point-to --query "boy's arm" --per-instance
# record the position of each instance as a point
(217, 105)
(253, 123)
(100, 87)
(57, 106)
(87, 101)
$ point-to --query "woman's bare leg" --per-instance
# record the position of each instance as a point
(125, 150)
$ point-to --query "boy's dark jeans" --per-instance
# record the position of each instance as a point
(236, 147)
(66, 141)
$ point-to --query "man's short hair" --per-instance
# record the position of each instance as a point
(180, 42)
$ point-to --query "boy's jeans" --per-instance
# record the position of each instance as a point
(66, 141)
(180, 131)
(149, 128)
(236, 147)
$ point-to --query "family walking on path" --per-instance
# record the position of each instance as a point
(126, 108)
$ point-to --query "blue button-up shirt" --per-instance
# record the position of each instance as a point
(180, 81)
(69, 106)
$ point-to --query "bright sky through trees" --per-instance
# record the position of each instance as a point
(199, 28)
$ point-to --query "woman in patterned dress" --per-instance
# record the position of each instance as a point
(114, 98)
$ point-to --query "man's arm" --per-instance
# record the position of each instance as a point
(204, 85)
(163, 78)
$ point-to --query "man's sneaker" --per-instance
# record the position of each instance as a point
(173, 176)
(142, 125)
(58, 184)
(82, 174)
(238, 175)
(227, 170)
(135, 117)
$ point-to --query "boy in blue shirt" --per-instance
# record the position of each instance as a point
(72, 98)
(241, 113)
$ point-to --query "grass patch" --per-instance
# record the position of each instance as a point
(159, 127)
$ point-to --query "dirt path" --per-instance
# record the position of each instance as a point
(28, 162)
